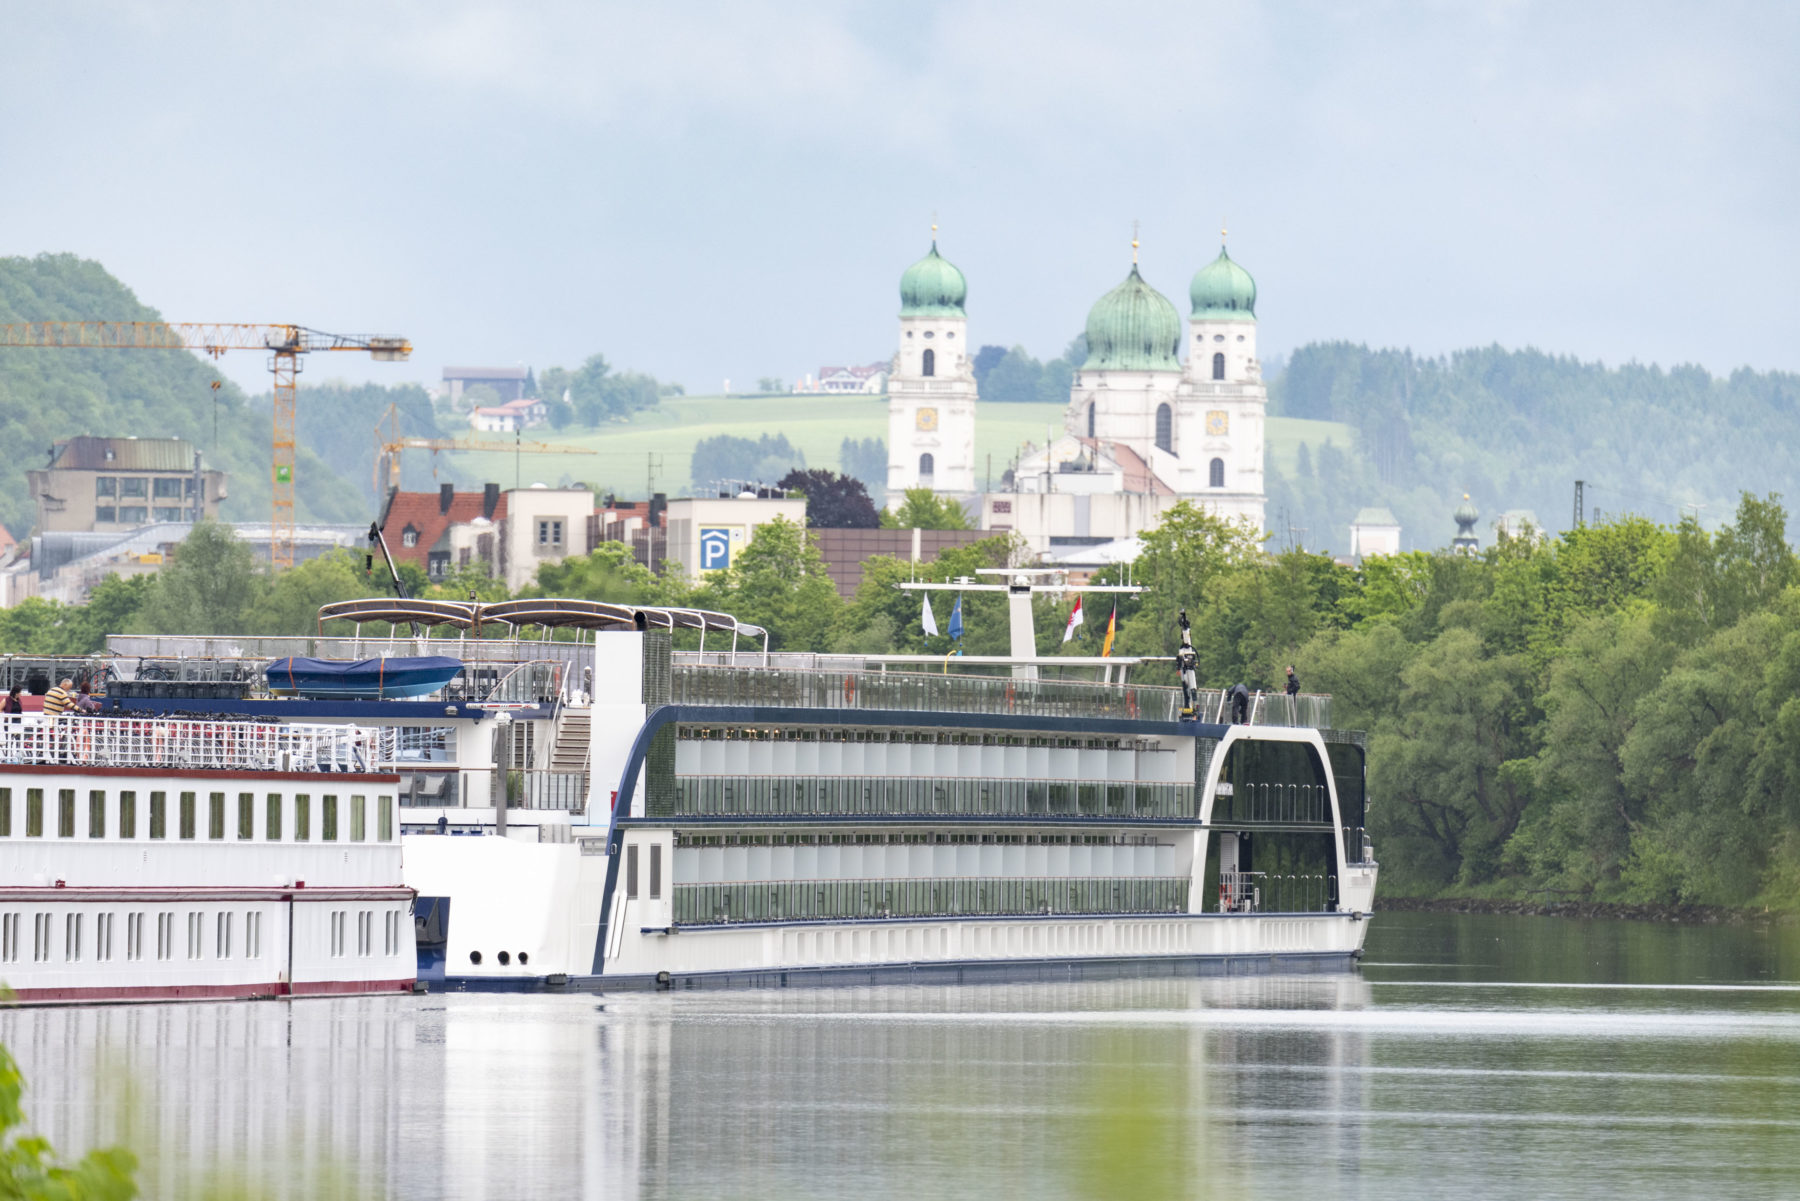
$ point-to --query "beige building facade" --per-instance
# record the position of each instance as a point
(113, 485)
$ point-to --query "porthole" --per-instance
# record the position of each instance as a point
(475, 958)
(524, 959)
(505, 959)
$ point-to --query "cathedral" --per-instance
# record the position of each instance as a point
(1144, 427)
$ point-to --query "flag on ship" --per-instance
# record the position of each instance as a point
(1112, 628)
(956, 626)
(1075, 619)
(928, 619)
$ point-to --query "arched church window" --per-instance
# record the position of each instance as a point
(1216, 473)
(931, 361)
(926, 466)
(1090, 419)
(1165, 429)
(1218, 365)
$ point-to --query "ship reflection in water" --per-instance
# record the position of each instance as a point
(1399, 1085)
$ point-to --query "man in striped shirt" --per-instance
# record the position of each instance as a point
(59, 700)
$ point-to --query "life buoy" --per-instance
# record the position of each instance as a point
(849, 690)
(1131, 706)
(1011, 692)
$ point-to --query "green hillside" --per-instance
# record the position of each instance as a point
(815, 425)
(47, 395)
(1515, 429)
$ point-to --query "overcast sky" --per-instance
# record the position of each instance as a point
(705, 191)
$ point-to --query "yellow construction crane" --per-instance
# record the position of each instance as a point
(285, 344)
(389, 442)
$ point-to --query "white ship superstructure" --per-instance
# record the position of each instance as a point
(614, 796)
(160, 858)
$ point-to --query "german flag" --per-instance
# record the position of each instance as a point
(1112, 628)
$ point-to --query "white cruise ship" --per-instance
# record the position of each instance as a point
(586, 806)
(154, 858)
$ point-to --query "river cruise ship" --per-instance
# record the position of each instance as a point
(149, 858)
(611, 796)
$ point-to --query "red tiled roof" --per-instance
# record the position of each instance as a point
(1138, 474)
(420, 510)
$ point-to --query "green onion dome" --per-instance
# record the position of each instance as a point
(1223, 291)
(932, 287)
(1133, 328)
(1466, 513)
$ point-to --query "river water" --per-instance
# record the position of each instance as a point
(1497, 1057)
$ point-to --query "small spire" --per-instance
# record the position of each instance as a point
(934, 227)
(1134, 243)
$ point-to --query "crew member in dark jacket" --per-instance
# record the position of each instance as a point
(1293, 682)
(1240, 704)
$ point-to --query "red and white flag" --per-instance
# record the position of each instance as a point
(1075, 619)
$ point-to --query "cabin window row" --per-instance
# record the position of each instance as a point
(815, 900)
(192, 816)
(929, 737)
(176, 935)
(974, 796)
(914, 838)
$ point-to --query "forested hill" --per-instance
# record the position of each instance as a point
(48, 395)
(1515, 429)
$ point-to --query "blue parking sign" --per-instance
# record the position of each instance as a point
(715, 547)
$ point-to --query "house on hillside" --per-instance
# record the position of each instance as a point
(868, 381)
(1374, 532)
(508, 383)
(514, 415)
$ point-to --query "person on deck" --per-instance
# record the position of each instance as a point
(1240, 705)
(59, 700)
(14, 702)
(85, 702)
(1293, 682)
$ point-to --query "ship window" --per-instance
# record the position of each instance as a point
(655, 871)
(631, 879)
(1219, 366)
(96, 813)
(384, 819)
(128, 815)
(272, 819)
(134, 936)
(187, 815)
(9, 939)
(65, 813)
(302, 817)
(72, 937)
(328, 819)
(246, 815)
(222, 946)
(159, 815)
(253, 936)
(165, 935)
(5, 813)
(357, 806)
(215, 816)
(195, 946)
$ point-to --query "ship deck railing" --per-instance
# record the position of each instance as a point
(920, 692)
(180, 743)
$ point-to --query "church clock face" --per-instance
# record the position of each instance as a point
(926, 419)
(1216, 424)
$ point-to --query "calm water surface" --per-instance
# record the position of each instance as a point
(1473, 1056)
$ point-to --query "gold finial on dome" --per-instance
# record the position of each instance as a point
(1134, 243)
(1223, 226)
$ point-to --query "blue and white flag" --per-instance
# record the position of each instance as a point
(928, 619)
(956, 619)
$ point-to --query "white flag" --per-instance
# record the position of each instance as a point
(1075, 619)
(928, 619)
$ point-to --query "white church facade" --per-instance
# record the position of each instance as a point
(1144, 427)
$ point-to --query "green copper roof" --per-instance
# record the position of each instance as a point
(1133, 328)
(932, 287)
(1222, 290)
(1466, 513)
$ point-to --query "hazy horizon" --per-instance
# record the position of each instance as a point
(733, 190)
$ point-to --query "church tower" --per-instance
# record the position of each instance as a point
(931, 390)
(1124, 392)
(1222, 399)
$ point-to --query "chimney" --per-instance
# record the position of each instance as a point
(446, 494)
(490, 500)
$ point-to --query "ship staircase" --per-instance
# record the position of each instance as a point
(570, 753)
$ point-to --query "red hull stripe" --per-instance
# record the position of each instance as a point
(196, 773)
(212, 992)
(92, 895)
